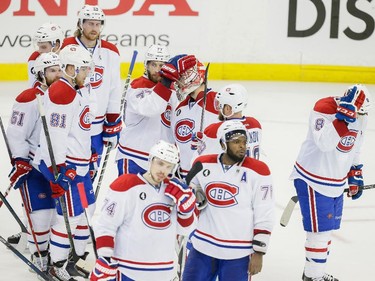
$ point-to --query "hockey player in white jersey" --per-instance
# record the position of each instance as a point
(48, 38)
(23, 136)
(328, 162)
(230, 101)
(149, 102)
(105, 80)
(68, 118)
(139, 221)
(235, 225)
(188, 73)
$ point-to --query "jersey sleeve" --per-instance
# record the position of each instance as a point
(115, 87)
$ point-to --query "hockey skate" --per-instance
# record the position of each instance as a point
(75, 270)
(40, 263)
(59, 272)
(326, 277)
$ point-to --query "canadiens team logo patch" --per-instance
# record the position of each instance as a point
(157, 216)
(347, 142)
(84, 119)
(166, 116)
(97, 78)
(184, 130)
(221, 194)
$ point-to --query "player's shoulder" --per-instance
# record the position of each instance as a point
(109, 46)
(28, 95)
(142, 82)
(206, 159)
(211, 130)
(210, 101)
(326, 105)
(251, 123)
(34, 56)
(69, 41)
(61, 92)
(125, 182)
(257, 166)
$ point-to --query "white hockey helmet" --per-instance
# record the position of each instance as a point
(165, 151)
(157, 53)
(231, 130)
(49, 32)
(44, 61)
(234, 95)
(361, 92)
(91, 12)
(77, 56)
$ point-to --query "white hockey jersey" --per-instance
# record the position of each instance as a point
(211, 144)
(105, 82)
(147, 120)
(330, 149)
(240, 207)
(24, 127)
(186, 120)
(137, 229)
(67, 115)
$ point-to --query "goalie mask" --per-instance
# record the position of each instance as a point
(234, 95)
(231, 130)
(77, 56)
(362, 93)
(90, 12)
(48, 32)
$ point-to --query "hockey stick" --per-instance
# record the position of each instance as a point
(109, 148)
(11, 210)
(204, 97)
(61, 199)
(182, 239)
(25, 260)
(287, 213)
(10, 154)
(85, 205)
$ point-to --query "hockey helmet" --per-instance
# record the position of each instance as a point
(91, 12)
(234, 95)
(77, 56)
(231, 130)
(44, 61)
(157, 53)
(165, 151)
(48, 32)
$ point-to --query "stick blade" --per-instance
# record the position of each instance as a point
(288, 211)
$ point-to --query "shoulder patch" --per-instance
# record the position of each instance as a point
(142, 82)
(210, 102)
(69, 41)
(109, 46)
(326, 106)
(125, 182)
(34, 56)
(61, 93)
(257, 166)
(211, 130)
(251, 123)
(210, 158)
(28, 95)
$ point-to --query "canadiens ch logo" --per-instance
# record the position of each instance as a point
(184, 130)
(84, 119)
(347, 142)
(157, 216)
(96, 79)
(166, 116)
(221, 194)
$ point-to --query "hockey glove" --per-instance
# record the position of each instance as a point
(355, 180)
(93, 168)
(172, 71)
(104, 270)
(196, 140)
(182, 195)
(19, 172)
(111, 132)
(349, 104)
(63, 181)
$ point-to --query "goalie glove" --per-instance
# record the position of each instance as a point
(104, 270)
(355, 180)
(182, 195)
(19, 172)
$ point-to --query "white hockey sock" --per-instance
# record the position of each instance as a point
(316, 249)
(41, 221)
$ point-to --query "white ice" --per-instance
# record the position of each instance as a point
(283, 109)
